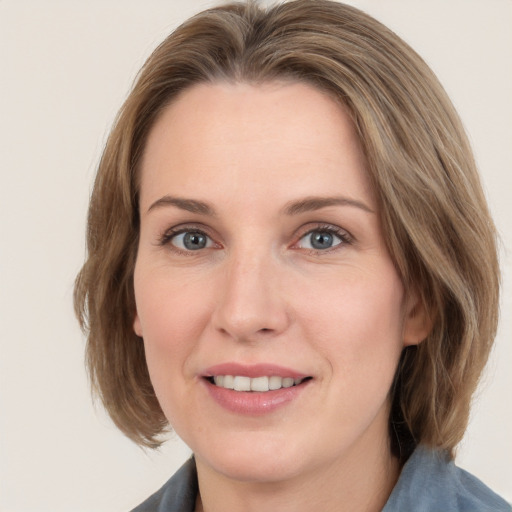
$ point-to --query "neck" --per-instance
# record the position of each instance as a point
(360, 481)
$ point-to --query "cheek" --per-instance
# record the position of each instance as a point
(172, 315)
(356, 319)
(168, 306)
(171, 322)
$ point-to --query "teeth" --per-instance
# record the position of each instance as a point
(228, 382)
(242, 384)
(259, 384)
(275, 382)
(288, 382)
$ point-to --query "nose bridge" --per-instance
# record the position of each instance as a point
(250, 300)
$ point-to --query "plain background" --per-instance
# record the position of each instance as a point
(65, 67)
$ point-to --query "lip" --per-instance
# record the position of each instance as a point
(253, 403)
(253, 370)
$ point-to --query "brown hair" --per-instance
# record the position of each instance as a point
(433, 210)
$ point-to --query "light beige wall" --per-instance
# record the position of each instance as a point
(65, 67)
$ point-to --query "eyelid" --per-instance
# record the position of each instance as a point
(345, 237)
(165, 239)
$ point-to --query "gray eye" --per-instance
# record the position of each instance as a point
(319, 240)
(191, 241)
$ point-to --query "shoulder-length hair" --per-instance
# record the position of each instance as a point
(434, 214)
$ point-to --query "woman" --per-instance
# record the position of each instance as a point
(291, 263)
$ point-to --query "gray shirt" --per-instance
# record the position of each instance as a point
(429, 482)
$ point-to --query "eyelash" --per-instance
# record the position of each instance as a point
(344, 236)
(166, 238)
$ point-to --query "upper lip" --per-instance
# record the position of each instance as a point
(253, 370)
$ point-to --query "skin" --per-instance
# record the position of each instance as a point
(258, 292)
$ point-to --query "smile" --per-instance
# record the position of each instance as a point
(257, 384)
(254, 389)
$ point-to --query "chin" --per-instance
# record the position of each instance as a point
(271, 460)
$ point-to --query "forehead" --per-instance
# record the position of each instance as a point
(252, 137)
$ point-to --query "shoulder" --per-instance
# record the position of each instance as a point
(178, 494)
(430, 482)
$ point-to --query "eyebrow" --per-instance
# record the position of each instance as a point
(313, 203)
(307, 204)
(189, 205)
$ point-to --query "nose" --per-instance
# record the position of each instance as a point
(251, 304)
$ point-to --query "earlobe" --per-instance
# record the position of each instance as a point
(137, 327)
(417, 322)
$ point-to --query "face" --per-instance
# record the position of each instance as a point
(271, 313)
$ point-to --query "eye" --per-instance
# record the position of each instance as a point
(321, 239)
(190, 240)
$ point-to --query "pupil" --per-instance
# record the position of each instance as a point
(194, 241)
(321, 240)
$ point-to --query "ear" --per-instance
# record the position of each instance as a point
(417, 320)
(137, 327)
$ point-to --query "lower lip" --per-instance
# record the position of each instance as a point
(253, 403)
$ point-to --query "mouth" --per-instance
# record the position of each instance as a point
(254, 389)
(261, 384)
